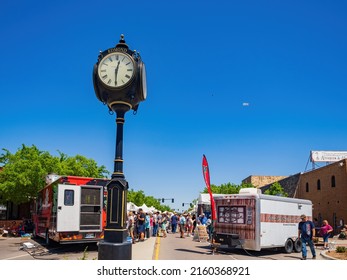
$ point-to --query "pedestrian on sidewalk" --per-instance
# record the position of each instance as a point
(306, 232)
(147, 225)
(325, 231)
(141, 224)
(131, 226)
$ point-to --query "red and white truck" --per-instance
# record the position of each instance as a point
(71, 209)
(253, 221)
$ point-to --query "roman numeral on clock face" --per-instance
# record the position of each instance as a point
(116, 69)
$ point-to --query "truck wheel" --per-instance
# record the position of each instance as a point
(288, 246)
(297, 245)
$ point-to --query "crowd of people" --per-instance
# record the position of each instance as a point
(142, 226)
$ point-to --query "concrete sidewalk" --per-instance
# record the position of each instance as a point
(333, 244)
(144, 250)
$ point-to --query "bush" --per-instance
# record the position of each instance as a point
(341, 249)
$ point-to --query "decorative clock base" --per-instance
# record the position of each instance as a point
(114, 251)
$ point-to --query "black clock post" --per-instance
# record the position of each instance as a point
(119, 78)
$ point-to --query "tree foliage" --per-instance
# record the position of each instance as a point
(139, 198)
(228, 188)
(276, 189)
(24, 172)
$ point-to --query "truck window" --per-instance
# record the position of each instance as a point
(231, 214)
(69, 197)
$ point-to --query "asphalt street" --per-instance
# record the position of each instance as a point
(170, 248)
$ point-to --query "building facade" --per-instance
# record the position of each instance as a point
(326, 187)
(259, 181)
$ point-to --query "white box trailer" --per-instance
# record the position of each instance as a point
(253, 221)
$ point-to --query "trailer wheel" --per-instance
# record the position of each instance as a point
(298, 245)
(288, 246)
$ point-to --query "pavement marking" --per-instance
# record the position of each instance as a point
(16, 257)
(156, 249)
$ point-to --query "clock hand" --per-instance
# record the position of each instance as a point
(116, 73)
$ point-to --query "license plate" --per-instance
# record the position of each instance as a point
(90, 235)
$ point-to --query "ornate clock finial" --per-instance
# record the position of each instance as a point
(122, 39)
(122, 43)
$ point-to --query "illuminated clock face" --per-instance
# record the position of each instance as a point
(116, 70)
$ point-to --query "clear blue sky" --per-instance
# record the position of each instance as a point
(204, 59)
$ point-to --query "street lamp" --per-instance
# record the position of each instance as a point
(119, 78)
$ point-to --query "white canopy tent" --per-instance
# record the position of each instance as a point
(145, 208)
(132, 207)
(204, 198)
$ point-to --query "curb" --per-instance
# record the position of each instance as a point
(324, 255)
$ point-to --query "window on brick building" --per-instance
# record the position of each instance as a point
(307, 187)
(333, 183)
(318, 184)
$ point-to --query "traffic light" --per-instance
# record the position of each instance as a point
(173, 200)
(182, 204)
(162, 200)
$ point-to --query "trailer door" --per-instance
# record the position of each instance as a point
(68, 214)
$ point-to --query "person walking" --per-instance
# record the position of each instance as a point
(141, 224)
(174, 223)
(182, 222)
(131, 226)
(155, 224)
(147, 225)
(164, 221)
(189, 222)
(325, 231)
(306, 231)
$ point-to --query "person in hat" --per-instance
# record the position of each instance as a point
(306, 231)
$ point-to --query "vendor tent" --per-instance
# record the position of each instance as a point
(132, 207)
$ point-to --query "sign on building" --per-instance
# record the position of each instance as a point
(328, 156)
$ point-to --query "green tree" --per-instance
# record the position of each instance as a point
(139, 198)
(136, 197)
(24, 172)
(81, 166)
(228, 188)
(276, 189)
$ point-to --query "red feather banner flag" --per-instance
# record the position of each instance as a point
(206, 174)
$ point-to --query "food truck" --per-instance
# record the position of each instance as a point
(71, 209)
(253, 221)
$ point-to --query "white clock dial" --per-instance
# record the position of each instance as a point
(116, 69)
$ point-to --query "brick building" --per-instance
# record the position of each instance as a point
(259, 181)
(326, 187)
